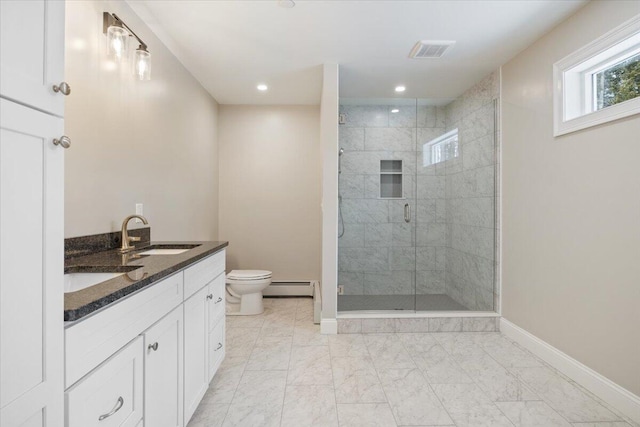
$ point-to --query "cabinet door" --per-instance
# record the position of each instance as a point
(31, 287)
(216, 324)
(216, 300)
(32, 53)
(111, 395)
(196, 380)
(216, 348)
(163, 372)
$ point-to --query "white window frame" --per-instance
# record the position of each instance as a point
(573, 84)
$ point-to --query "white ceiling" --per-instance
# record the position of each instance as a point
(231, 46)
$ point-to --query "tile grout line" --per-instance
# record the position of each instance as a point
(286, 380)
(333, 382)
(502, 412)
(475, 383)
(427, 379)
(379, 380)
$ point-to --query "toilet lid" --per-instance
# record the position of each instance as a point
(248, 274)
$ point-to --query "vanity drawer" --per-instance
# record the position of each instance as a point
(216, 348)
(113, 392)
(198, 275)
(93, 339)
(217, 302)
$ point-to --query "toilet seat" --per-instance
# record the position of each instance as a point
(248, 275)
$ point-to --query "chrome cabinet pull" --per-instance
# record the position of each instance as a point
(64, 141)
(210, 296)
(153, 346)
(63, 88)
(407, 213)
(218, 300)
(115, 409)
(219, 346)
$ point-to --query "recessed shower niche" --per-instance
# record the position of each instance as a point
(390, 179)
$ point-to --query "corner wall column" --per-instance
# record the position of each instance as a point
(329, 147)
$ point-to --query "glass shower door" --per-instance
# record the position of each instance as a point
(377, 200)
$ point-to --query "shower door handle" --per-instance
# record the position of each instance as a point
(407, 213)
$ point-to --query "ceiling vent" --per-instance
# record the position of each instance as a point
(430, 48)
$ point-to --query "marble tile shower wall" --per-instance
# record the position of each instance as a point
(470, 198)
(377, 253)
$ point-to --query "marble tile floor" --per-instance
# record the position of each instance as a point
(427, 302)
(280, 371)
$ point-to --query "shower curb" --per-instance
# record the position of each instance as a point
(421, 324)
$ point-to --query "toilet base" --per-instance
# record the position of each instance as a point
(248, 305)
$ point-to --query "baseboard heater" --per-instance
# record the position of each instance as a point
(295, 288)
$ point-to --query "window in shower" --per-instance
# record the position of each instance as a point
(440, 149)
(390, 179)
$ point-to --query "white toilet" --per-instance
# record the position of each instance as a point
(244, 291)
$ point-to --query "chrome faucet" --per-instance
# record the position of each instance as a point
(126, 247)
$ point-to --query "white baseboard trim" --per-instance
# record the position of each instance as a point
(613, 394)
(329, 326)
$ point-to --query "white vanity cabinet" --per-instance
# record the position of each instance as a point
(169, 322)
(31, 213)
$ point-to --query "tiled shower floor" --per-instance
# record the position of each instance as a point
(431, 302)
(280, 371)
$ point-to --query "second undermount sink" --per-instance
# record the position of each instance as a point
(166, 249)
(77, 281)
(163, 252)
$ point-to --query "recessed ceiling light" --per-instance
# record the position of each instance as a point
(262, 87)
(288, 4)
(400, 88)
(395, 110)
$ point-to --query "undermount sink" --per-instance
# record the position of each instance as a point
(166, 249)
(163, 252)
(77, 281)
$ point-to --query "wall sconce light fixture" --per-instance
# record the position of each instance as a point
(118, 34)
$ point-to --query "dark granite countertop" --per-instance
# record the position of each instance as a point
(140, 271)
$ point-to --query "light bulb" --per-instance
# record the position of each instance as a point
(117, 42)
(400, 88)
(142, 64)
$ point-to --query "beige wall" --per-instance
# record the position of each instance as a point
(270, 183)
(134, 142)
(571, 211)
